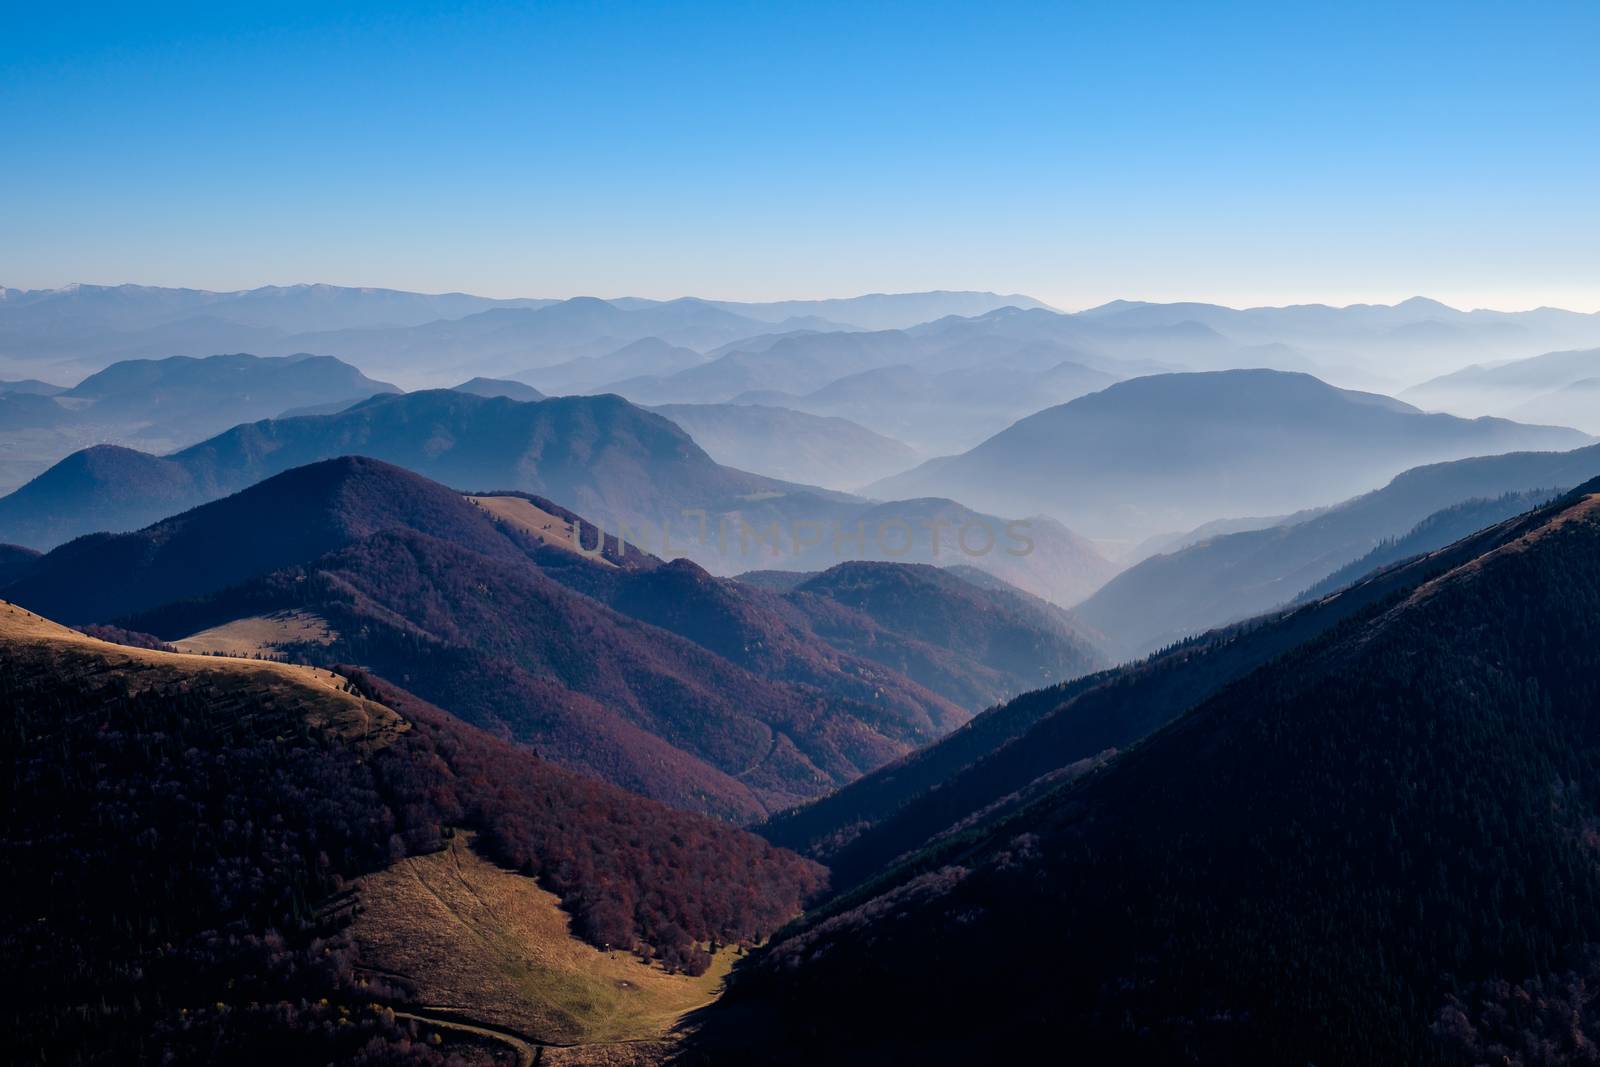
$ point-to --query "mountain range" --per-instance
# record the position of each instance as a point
(656, 676)
(1532, 385)
(607, 459)
(943, 411)
(409, 335)
(1172, 451)
(1232, 576)
(636, 690)
(412, 337)
(821, 450)
(164, 403)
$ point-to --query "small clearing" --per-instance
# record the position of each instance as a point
(533, 520)
(260, 635)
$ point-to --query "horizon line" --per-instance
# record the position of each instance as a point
(1046, 305)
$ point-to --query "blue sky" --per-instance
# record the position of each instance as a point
(1238, 153)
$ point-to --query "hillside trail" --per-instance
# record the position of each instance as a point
(528, 1054)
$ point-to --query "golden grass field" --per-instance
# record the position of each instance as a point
(488, 944)
(549, 529)
(259, 635)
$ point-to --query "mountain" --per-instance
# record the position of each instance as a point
(510, 340)
(795, 363)
(844, 653)
(97, 310)
(945, 410)
(15, 561)
(265, 863)
(499, 387)
(1037, 555)
(1576, 405)
(1175, 450)
(1442, 528)
(89, 326)
(1370, 339)
(287, 519)
(970, 645)
(30, 385)
(32, 411)
(884, 311)
(1233, 576)
(423, 339)
(211, 394)
(775, 581)
(104, 487)
(356, 560)
(646, 356)
(1370, 849)
(160, 404)
(1005, 755)
(976, 644)
(291, 308)
(634, 472)
(811, 449)
(1498, 388)
(599, 453)
(969, 639)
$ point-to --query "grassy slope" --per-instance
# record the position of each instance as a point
(469, 937)
(36, 644)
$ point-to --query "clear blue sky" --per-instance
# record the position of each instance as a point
(1239, 153)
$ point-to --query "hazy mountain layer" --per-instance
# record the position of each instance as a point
(831, 452)
(1166, 451)
(1167, 597)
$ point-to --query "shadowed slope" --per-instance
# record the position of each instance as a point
(1371, 835)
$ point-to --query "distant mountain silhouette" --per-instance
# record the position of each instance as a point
(794, 363)
(609, 460)
(944, 410)
(885, 311)
(415, 336)
(646, 356)
(499, 387)
(87, 324)
(188, 399)
(512, 340)
(1501, 387)
(598, 453)
(1177, 450)
(831, 452)
(32, 411)
(1220, 579)
(31, 385)
(1576, 405)
(158, 405)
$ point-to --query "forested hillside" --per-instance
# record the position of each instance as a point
(1374, 849)
(180, 870)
